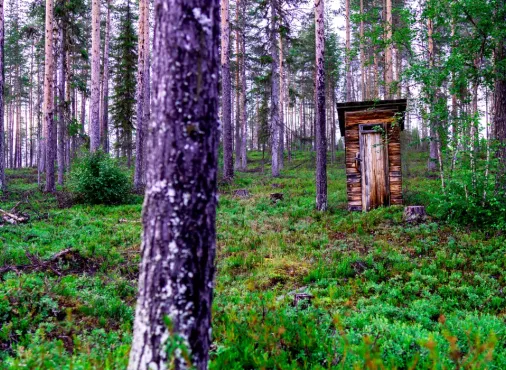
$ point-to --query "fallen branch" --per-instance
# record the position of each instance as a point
(14, 217)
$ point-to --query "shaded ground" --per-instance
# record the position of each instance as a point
(424, 296)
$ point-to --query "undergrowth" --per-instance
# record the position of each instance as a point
(385, 294)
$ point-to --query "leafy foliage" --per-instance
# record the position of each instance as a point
(97, 179)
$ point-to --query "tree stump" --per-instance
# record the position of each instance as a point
(276, 197)
(415, 214)
(241, 193)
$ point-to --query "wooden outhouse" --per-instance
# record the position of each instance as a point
(371, 132)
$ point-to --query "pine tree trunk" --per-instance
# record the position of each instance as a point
(61, 107)
(274, 113)
(282, 118)
(348, 53)
(388, 52)
(47, 141)
(244, 119)
(238, 125)
(3, 184)
(499, 120)
(95, 77)
(432, 129)
(226, 104)
(362, 58)
(321, 139)
(178, 247)
(104, 107)
(141, 89)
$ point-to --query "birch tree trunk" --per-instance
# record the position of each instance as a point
(95, 76)
(48, 107)
(104, 107)
(274, 109)
(179, 237)
(3, 184)
(321, 139)
(226, 104)
(432, 129)
(141, 89)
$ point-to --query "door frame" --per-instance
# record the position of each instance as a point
(369, 128)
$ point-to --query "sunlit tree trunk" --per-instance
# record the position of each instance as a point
(179, 237)
(61, 106)
(244, 118)
(95, 76)
(226, 104)
(321, 140)
(499, 120)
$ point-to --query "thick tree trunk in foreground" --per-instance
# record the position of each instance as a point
(48, 108)
(95, 76)
(274, 109)
(244, 117)
(178, 246)
(238, 126)
(141, 90)
(104, 106)
(321, 140)
(3, 184)
(226, 104)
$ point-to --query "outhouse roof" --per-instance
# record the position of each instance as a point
(342, 108)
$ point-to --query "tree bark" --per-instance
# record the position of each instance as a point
(274, 109)
(226, 104)
(178, 244)
(141, 90)
(499, 120)
(362, 58)
(238, 126)
(432, 129)
(3, 184)
(321, 139)
(95, 76)
(388, 52)
(104, 107)
(61, 106)
(244, 118)
(48, 108)
(348, 53)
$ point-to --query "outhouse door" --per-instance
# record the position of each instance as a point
(374, 166)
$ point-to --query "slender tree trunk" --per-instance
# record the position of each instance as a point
(179, 238)
(274, 109)
(348, 53)
(3, 184)
(244, 118)
(61, 107)
(238, 125)
(282, 118)
(433, 142)
(141, 89)
(104, 107)
(48, 108)
(362, 58)
(388, 52)
(226, 104)
(95, 77)
(321, 140)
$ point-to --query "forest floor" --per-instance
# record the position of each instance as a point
(382, 293)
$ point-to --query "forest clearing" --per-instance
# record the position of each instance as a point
(245, 184)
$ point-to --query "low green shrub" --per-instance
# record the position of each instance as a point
(95, 178)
